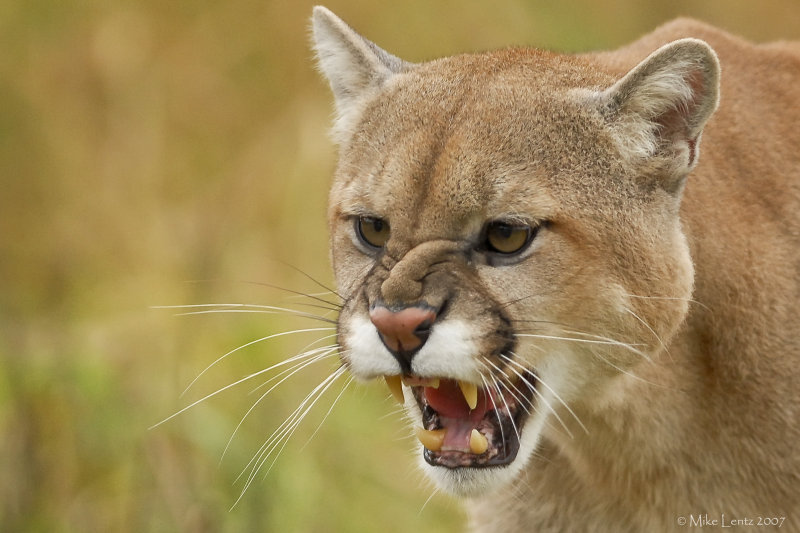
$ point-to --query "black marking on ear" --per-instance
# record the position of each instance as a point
(692, 143)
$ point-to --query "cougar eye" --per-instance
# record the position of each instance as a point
(372, 231)
(507, 238)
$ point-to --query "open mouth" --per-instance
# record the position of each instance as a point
(464, 425)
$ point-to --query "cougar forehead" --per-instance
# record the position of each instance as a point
(448, 144)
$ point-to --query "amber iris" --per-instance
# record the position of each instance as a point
(507, 238)
(373, 231)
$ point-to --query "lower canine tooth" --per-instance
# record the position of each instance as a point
(477, 442)
(396, 387)
(432, 439)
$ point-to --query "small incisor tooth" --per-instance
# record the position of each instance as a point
(396, 388)
(477, 442)
(416, 381)
(470, 392)
(432, 439)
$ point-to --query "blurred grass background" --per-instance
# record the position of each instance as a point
(160, 153)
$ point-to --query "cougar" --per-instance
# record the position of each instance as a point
(580, 274)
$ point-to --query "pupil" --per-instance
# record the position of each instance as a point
(377, 225)
(503, 231)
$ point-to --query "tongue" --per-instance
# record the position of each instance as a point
(454, 413)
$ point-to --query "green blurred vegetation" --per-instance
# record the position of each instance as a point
(157, 153)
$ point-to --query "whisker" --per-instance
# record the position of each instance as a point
(615, 367)
(690, 300)
(494, 407)
(602, 340)
(517, 300)
(507, 408)
(320, 306)
(282, 377)
(539, 379)
(313, 356)
(519, 396)
(262, 339)
(321, 352)
(424, 505)
(539, 395)
(317, 294)
(327, 414)
(310, 296)
(608, 340)
(297, 417)
(275, 444)
(278, 287)
(242, 308)
(310, 277)
(398, 410)
(645, 324)
(595, 339)
(308, 346)
(231, 385)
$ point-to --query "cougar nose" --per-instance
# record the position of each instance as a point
(403, 332)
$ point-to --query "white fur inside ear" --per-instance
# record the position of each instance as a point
(353, 65)
(662, 104)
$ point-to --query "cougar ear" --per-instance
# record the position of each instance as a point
(353, 65)
(661, 106)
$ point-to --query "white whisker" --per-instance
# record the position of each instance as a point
(593, 339)
(274, 445)
(330, 409)
(507, 408)
(601, 340)
(312, 356)
(645, 324)
(519, 395)
(323, 338)
(323, 353)
(262, 339)
(539, 395)
(311, 400)
(424, 505)
(689, 300)
(623, 371)
(242, 308)
(231, 385)
(494, 407)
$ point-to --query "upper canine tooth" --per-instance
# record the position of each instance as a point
(470, 392)
(396, 387)
(433, 439)
(478, 443)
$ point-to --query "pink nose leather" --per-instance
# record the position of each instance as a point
(403, 331)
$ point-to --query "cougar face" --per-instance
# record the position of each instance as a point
(466, 243)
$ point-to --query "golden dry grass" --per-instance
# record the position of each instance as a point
(157, 153)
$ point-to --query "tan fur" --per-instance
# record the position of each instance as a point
(699, 274)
